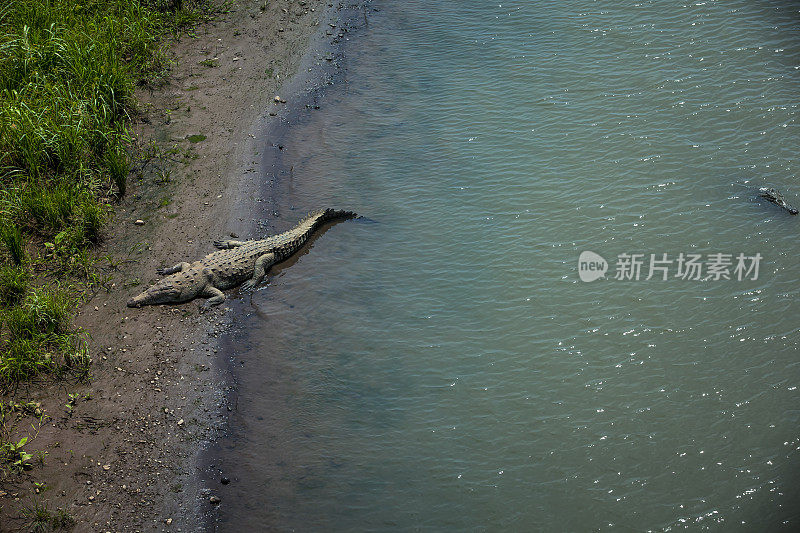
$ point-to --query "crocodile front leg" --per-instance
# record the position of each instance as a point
(180, 267)
(226, 245)
(262, 264)
(214, 295)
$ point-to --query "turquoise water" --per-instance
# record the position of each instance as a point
(444, 368)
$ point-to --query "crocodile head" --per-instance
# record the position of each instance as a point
(160, 293)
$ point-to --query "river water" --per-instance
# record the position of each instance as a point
(440, 365)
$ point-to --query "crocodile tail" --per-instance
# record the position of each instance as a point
(321, 216)
(339, 213)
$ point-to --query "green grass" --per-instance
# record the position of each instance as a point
(13, 284)
(11, 236)
(62, 520)
(68, 71)
(39, 517)
(38, 338)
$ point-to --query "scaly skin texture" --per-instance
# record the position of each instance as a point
(235, 263)
(776, 198)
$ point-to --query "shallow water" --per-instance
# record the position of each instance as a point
(441, 366)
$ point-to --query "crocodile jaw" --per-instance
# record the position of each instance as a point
(160, 293)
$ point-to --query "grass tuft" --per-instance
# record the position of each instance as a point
(39, 517)
(13, 284)
(47, 209)
(13, 241)
(118, 167)
(36, 331)
(50, 310)
(92, 215)
(62, 520)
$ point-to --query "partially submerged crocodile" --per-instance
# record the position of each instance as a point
(236, 262)
(776, 198)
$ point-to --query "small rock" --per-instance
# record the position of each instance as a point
(224, 481)
(235, 236)
(214, 500)
(168, 521)
(91, 498)
(180, 422)
(139, 222)
(106, 467)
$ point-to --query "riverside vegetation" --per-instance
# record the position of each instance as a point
(67, 76)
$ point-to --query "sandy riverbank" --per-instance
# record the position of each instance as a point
(124, 458)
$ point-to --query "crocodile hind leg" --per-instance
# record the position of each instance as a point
(214, 295)
(180, 267)
(226, 245)
(262, 264)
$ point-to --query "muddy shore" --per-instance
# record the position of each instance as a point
(125, 457)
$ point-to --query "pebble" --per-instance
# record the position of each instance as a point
(168, 521)
(139, 222)
(180, 422)
(225, 481)
(214, 500)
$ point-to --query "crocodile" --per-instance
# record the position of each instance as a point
(776, 198)
(235, 263)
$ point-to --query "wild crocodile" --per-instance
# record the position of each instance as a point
(776, 198)
(234, 263)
